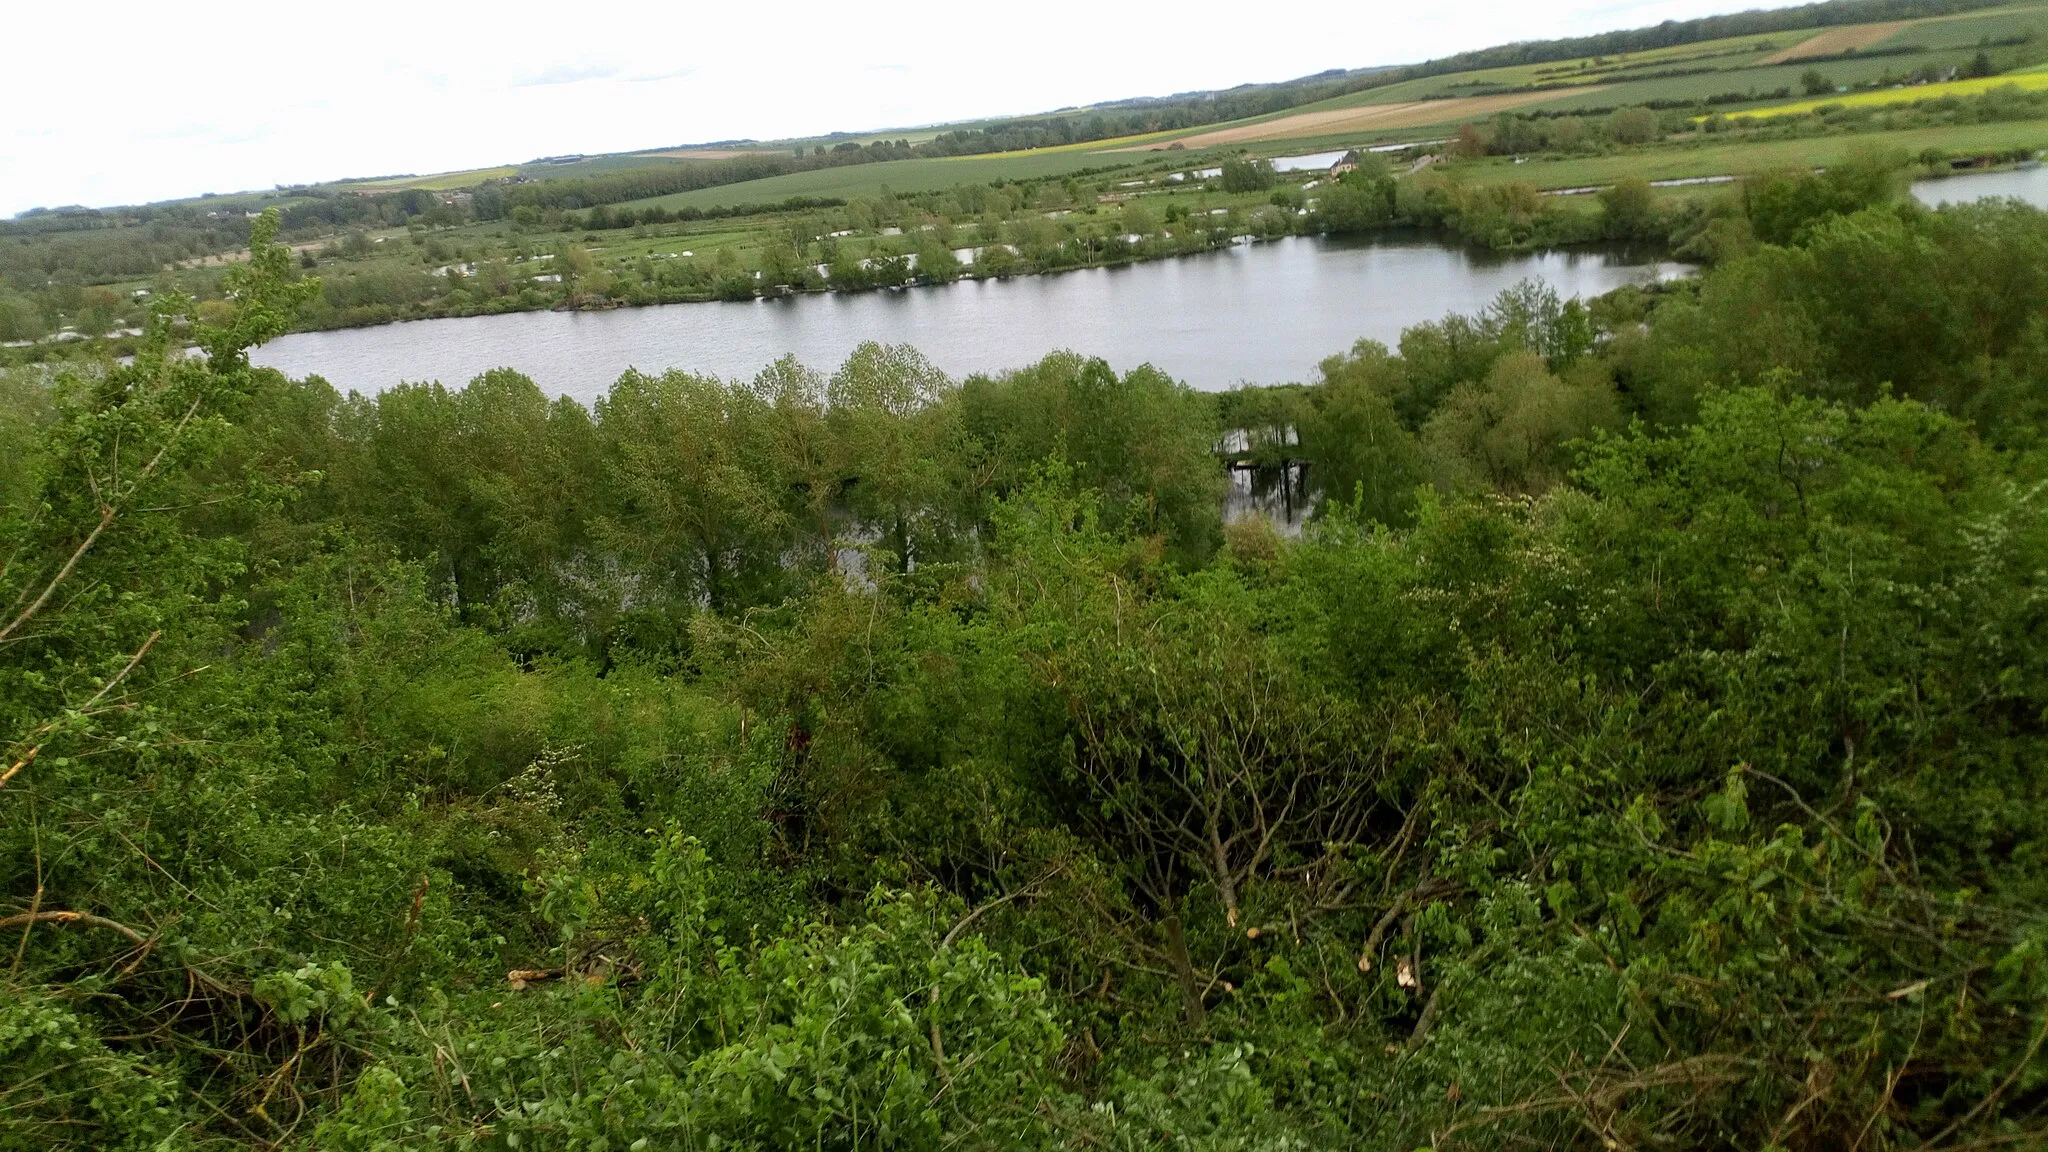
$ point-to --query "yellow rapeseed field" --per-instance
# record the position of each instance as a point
(2030, 81)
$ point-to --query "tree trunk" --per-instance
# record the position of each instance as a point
(1177, 952)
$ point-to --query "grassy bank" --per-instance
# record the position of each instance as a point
(1707, 156)
(920, 175)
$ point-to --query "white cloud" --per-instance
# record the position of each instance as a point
(153, 101)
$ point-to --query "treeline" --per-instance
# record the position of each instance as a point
(1636, 751)
(626, 546)
(326, 209)
(604, 218)
(1492, 402)
(666, 179)
(1135, 117)
(116, 247)
(98, 246)
(46, 222)
(54, 266)
(658, 179)
(1510, 215)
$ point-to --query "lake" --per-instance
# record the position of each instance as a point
(2028, 184)
(1264, 312)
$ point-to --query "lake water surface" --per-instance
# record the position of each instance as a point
(2028, 184)
(1263, 312)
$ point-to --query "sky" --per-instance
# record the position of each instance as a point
(126, 102)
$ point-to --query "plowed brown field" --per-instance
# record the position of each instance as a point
(1330, 121)
(1836, 41)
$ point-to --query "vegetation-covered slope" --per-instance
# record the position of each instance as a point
(1640, 750)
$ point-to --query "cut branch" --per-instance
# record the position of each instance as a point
(108, 511)
(960, 926)
(1424, 891)
(83, 919)
(44, 730)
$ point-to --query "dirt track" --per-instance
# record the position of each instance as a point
(1330, 121)
(1836, 41)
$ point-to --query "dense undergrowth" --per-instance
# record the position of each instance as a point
(1640, 749)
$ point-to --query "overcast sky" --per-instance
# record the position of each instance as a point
(122, 102)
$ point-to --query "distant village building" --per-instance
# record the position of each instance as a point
(1345, 163)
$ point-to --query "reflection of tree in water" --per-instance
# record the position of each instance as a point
(1278, 493)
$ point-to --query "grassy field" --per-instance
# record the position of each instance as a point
(1732, 54)
(441, 182)
(1971, 29)
(1301, 145)
(1114, 144)
(708, 153)
(1692, 158)
(449, 181)
(1745, 54)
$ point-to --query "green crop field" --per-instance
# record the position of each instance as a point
(440, 182)
(1735, 54)
(1969, 31)
(1726, 55)
(597, 166)
(469, 178)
